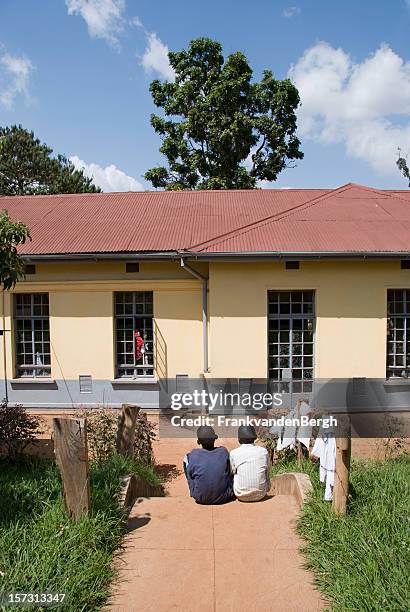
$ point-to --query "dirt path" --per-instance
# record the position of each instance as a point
(182, 556)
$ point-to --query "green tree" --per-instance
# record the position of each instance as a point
(27, 167)
(403, 166)
(12, 234)
(221, 130)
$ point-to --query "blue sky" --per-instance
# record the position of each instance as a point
(77, 72)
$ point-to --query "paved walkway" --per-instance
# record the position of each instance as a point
(179, 555)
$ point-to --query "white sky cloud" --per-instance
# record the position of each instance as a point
(104, 18)
(14, 78)
(365, 106)
(136, 21)
(291, 11)
(155, 58)
(109, 178)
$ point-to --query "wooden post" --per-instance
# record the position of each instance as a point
(71, 451)
(342, 468)
(298, 444)
(126, 429)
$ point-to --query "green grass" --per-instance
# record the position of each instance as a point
(42, 550)
(361, 561)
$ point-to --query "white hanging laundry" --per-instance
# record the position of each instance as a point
(289, 434)
(325, 450)
(329, 464)
(304, 408)
(305, 431)
(317, 451)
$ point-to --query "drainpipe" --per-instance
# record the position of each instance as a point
(4, 350)
(204, 280)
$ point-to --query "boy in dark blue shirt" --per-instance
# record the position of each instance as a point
(208, 470)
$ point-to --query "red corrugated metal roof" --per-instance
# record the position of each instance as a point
(349, 219)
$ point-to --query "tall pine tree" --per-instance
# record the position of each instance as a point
(27, 167)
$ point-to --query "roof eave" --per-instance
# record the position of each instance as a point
(220, 256)
(297, 255)
(128, 256)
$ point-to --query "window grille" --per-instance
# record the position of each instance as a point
(398, 333)
(291, 323)
(134, 312)
(32, 335)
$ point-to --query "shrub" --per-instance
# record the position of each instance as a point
(144, 436)
(17, 429)
(102, 430)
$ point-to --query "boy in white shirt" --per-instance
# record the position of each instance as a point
(250, 467)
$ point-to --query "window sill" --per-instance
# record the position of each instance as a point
(397, 382)
(142, 380)
(32, 381)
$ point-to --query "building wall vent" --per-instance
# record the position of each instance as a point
(86, 383)
(132, 267)
(29, 269)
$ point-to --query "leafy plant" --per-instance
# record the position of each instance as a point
(395, 443)
(144, 436)
(102, 430)
(18, 429)
(12, 234)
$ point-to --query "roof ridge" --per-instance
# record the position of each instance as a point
(350, 186)
(328, 190)
(162, 192)
(266, 220)
(287, 213)
(391, 193)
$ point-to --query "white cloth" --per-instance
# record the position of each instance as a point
(305, 431)
(289, 434)
(325, 450)
(250, 467)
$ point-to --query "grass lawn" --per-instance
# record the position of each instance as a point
(41, 550)
(361, 561)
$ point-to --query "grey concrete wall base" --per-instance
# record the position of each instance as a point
(292, 483)
(134, 487)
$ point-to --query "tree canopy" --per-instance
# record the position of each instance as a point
(12, 234)
(220, 129)
(27, 167)
(403, 167)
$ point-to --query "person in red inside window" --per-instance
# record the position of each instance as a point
(139, 345)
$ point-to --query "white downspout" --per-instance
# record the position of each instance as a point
(204, 280)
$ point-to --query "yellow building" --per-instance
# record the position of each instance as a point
(124, 290)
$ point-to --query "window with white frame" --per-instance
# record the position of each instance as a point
(398, 333)
(134, 329)
(291, 322)
(32, 335)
